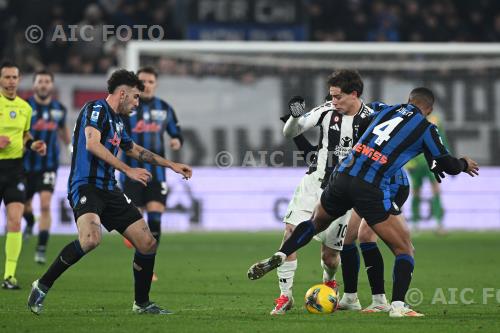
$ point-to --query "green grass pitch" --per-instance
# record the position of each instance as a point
(202, 277)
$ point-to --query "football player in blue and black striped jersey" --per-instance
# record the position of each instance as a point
(396, 134)
(94, 196)
(48, 123)
(147, 126)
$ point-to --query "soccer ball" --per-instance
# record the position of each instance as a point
(321, 299)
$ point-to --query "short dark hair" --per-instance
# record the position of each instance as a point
(422, 94)
(124, 77)
(43, 72)
(347, 80)
(149, 70)
(8, 64)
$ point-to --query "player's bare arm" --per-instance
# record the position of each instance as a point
(93, 145)
(142, 154)
(37, 146)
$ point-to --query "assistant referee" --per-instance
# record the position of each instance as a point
(15, 119)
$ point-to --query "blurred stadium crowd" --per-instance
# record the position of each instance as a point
(350, 20)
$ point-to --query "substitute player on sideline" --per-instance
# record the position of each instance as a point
(93, 194)
(48, 122)
(15, 118)
(147, 126)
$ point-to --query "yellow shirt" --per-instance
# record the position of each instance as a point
(15, 119)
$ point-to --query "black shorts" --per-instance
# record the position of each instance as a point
(40, 181)
(141, 195)
(399, 194)
(344, 192)
(12, 182)
(116, 211)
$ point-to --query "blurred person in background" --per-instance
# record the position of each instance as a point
(48, 123)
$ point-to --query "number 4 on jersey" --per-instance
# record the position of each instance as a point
(385, 129)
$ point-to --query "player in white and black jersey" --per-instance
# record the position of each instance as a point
(339, 121)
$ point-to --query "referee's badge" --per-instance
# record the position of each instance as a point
(83, 200)
(20, 187)
(12, 114)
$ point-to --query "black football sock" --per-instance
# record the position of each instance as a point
(143, 272)
(349, 259)
(154, 222)
(403, 270)
(30, 219)
(302, 235)
(69, 255)
(374, 265)
(43, 238)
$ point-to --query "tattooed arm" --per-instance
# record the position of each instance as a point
(94, 146)
(142, 154)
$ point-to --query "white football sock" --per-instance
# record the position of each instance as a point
(286, 272)
(379, 299)
(328, 273)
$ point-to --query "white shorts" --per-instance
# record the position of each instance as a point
(300, 209)
(305, 198)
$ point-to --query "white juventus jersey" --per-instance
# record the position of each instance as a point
(338, 133)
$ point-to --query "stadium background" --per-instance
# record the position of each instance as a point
(231, 101)
(253, 192)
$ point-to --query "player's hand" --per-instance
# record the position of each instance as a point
(436, 170)
(175, 144)
(39, 147)
(183, 169)
(472, 167)
(4, 141)
(297, 106)
(140, 175)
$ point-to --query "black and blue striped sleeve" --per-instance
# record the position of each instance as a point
(173, 129)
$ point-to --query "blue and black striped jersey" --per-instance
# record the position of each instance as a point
(147, 126)
(45, 121)
(396, 134)
(87, 168)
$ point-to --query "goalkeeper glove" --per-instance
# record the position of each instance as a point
(297, 106)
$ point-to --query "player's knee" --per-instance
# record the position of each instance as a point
(331, 259)
(147, 246)
(405, 247)
(90, 241)
(45, 209)
(366, 235)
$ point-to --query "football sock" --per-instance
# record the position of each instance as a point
(302, 235)
(286, 272)
(403, 269)
(143, 271)
(350, 267)
(328, 272)
(374, 265)
(29, 218)
(154, 222)
(69, 255)
(43, 238)
(13, 245)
